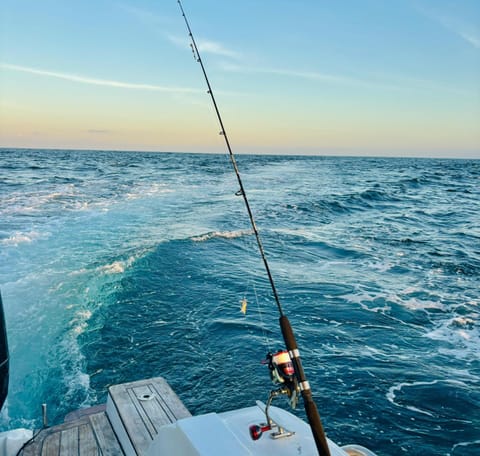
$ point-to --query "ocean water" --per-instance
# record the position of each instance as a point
(116, 266)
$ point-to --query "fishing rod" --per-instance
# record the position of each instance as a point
(287, 331)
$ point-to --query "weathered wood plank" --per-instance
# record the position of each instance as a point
(51, 445)
(87, 443)
(158, 412)
(144, 407)
(137, 394)
(131, 420)
(80, 413)
(169, 399)
(91, 435)
(69, 441)
(106, 439)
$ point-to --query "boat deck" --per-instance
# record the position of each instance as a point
(124, 426)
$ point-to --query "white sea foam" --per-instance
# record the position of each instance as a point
(463, 322)
(381, 266)
(80, 328)
(80, 321)
(86, 314)
(78, 272)
(377, 309)
(362, 298)
(119, 266)
(116, 267)
(393, 390)
(417, 304)
(19, 203)
(148, 191)
(396, 388)
(465, 444)
(462, 334)
(222, 234)
(411, 303)
(356, 298)
(22, 238)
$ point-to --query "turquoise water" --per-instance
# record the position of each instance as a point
(116, 266)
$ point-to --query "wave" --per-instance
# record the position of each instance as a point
(148, 191)
(393, 390)
(240, 325)
(115, 267)
(221, 235)
(461, 446)
(23, 238)
(460, 336)
(438, 399)
(468, 269)
(329, 206)
(388, 282)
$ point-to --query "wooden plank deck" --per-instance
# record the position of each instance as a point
(142, 408)
(90, 435)
(125, 426)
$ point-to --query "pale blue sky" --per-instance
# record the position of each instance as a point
(370, 77)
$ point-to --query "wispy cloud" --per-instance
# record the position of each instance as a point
(312, 75)
(370, 81)
(471, 37)
(465, 31)
(213, 47)
(206, 46)
(99, 82)
(143, 15)
(455, 24)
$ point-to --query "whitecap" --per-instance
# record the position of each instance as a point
(80, 328)
(86, 314)
(465, 444)
(22, 238)
(461, 334)
(221, 234)
(362, 298)
(377, 309)
(80, 322)
(117, 267)
(146, 191)
(463, 322)
(417, 304)
(78, 272)
(396, 388)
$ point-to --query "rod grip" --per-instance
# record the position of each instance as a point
(287, 333)
(315, 423)
(309, 404)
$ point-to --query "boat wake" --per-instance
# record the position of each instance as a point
(222, 235)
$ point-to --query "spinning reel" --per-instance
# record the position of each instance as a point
(282, 372)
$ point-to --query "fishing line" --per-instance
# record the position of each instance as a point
(262, 325)
(287, 332)
(223, 132)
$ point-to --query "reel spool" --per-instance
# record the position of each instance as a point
(282, 372)
(281, 367)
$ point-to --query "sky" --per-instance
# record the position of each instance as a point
(350, 77)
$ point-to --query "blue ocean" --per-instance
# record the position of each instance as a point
(118, 266)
